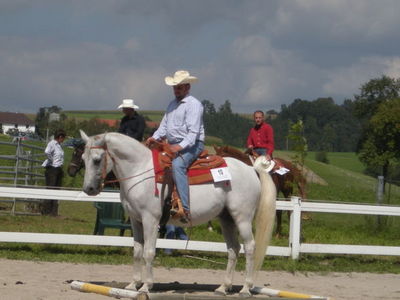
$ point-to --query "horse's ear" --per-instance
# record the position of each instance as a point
(84, 136)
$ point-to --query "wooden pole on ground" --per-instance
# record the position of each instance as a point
(122, 293)
(286, 294)
(103, 290)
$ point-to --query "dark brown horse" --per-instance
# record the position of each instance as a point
(284, 183)
(76, 163)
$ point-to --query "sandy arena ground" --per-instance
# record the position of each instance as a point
(44, 280)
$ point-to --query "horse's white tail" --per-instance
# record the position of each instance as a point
(265, 216)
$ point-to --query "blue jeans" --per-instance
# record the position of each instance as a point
(180, 164)
(175, 232)
(260, 151)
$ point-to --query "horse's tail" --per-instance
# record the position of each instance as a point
(265, 216)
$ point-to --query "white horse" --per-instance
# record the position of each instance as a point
(234, 204)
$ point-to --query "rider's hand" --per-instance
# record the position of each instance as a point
(150, 140)
(175, 148)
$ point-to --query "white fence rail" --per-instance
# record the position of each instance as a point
(294, 248)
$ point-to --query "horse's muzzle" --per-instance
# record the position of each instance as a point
(91, 190)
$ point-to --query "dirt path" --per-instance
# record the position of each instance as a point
(45, 280)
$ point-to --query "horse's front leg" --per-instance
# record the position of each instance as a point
(137, 255)
(150, 232)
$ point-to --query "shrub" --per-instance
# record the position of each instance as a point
(322, 157)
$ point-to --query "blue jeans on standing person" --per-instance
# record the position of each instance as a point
(180, 164)
(174, 232)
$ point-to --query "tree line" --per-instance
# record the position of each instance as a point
(327, 126)
(369, 124)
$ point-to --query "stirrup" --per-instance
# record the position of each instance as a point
(182, 215)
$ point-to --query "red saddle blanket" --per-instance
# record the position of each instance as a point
(199, 171)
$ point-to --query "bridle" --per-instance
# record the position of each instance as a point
(104, 169)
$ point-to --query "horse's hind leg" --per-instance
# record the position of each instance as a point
(246, 233)
(229, 231)
(137, 229)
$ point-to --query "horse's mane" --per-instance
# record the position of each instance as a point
(100, 139)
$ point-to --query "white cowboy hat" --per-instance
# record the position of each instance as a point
(128, 103)
(180, 77)
(263, 164)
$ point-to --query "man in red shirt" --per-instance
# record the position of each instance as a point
(261, 136)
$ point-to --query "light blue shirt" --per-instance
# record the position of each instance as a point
(55, 155)
(182, 123)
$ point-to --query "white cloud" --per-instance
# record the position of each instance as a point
(339, 19)
(83, 75)
(257, 54)
(347, 80)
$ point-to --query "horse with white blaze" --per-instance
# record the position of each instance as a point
(234, 203)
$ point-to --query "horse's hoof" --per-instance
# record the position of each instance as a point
(244, 293)
(220, 291)
(144, 290)
(131, 286)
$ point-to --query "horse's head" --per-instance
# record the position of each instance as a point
(97, 163)
(76, 163)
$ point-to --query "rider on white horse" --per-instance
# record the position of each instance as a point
(182, 126)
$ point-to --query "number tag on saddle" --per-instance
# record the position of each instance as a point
(282, 171)
(221, 174)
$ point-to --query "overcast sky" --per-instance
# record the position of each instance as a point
(259, 54)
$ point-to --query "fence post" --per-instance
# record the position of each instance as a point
(295, 227)
(379, 190)
(17, 155)
(379, 197)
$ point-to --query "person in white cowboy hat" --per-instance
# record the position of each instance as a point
(182, 126)
(132, 124)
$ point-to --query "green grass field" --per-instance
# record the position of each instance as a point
(345, 184)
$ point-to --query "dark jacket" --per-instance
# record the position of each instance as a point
(133, 127)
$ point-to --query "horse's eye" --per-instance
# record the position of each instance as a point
(96, 161)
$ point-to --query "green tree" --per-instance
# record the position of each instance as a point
(327, 126)
(375, 146)
(43, 122)
(373, 93)
(224, 124)
(381, 146)
(209, 107)
(298, 142)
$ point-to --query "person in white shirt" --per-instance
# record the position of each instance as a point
(54, 172)
(182, 126)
